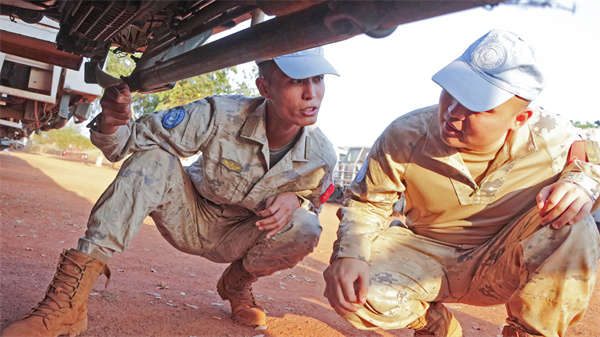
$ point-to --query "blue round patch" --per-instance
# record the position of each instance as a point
(362, 172)
(173, 118)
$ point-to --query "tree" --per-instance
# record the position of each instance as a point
(224, 81)
(587, 125)
(63, 138)
(198, 87)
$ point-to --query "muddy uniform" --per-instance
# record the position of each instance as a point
(465, 242)
(209, 209)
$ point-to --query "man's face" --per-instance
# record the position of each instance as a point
(478, 131)
(294, 102)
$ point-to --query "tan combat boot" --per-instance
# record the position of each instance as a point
(235, 285)
(63, 311)
(438, 321)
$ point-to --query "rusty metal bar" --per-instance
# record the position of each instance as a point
(319, 25)
(37, 50)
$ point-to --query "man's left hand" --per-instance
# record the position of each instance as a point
(278, 211)
(563, 203)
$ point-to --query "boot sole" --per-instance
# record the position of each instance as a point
(74, 329)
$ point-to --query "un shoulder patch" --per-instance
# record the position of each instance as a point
(173, 118)
(363, 171)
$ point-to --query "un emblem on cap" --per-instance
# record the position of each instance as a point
(489, 56)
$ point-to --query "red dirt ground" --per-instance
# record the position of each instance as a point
(44, 205)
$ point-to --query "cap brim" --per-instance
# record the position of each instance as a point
(469, 88)
(305, 66)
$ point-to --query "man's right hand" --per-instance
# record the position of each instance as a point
(346, 284)
(116, 108)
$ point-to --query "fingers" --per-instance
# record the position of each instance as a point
(279, 211)
(267, 212)
(273, 232)
(272, 205)
(555, 205)
(118, 94)
(336, 298)
(346, 284)
(574, 213)
(543, 196)
(335, 293)
(274, 223)
(345, 299)
(563, 203)
(363, 289)
(116, 105)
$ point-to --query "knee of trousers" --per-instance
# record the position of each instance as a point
(564, 258)
(582, 240)
(284, 250)
(387, 308)
(303, 229)
(137, 190)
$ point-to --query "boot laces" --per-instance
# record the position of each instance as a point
(243, 290)
(61, 290)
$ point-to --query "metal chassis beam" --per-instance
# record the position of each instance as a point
(319, 25)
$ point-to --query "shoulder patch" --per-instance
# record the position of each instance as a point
(173, 118)
(325, 196)
(362, 172)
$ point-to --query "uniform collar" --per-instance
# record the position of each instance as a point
(521, 143)
(255, 128)
(302, 148)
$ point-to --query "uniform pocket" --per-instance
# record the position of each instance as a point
(223, 181)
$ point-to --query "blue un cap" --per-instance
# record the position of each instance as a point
(496, 67)
(304, 64)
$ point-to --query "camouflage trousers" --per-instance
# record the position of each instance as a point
(154, 183)
(544, 276)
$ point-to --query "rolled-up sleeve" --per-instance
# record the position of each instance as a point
(183, 137)
(586, 175)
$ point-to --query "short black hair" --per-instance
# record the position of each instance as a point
(266, 68)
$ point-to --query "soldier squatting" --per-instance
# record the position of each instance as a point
(496, 213)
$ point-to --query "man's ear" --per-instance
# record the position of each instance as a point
(521, 118)
(262, 86)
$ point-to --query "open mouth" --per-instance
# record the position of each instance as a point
(449, 128)
(310, 111)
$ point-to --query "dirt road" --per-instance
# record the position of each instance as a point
(156, 290)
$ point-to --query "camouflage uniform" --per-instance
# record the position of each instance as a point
(209, 208)
(464, 242)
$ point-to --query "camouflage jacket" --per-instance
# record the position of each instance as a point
(234, 169)
(443, 201)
